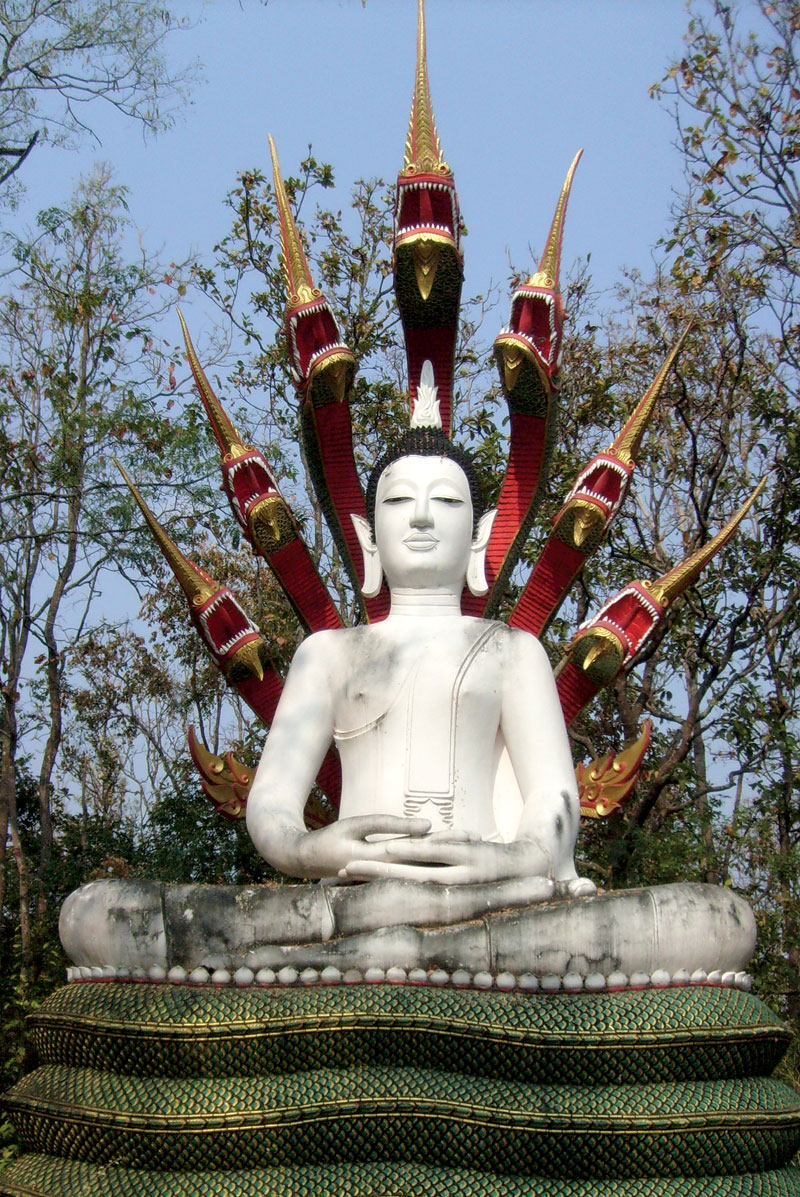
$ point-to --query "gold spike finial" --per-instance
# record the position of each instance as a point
(197, 586)
(550, 265)
(627, 444)
(673, 583)
(228, 438)
(423, 150)
(299, 283)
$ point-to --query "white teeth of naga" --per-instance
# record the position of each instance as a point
(249, 626)
(316, 307)
(580, 487)
(513, 332)
(637, 594)
(419, 185)
(247, 460)
(326, 349)
(425, 228)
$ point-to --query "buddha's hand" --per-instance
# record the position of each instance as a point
(326, 852)
(452, 859)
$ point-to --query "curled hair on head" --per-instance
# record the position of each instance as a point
(427, 442)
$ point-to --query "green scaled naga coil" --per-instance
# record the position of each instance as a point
(358, 1089)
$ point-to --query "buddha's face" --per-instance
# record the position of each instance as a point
(423, 523)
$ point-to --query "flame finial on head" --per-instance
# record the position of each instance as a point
(672, 584)
(228, 439)
(550, 265)
(426, 412)
(626, 445)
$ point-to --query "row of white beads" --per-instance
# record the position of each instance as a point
(460, 978)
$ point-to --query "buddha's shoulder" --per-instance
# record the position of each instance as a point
(333, 644)
(512, 644)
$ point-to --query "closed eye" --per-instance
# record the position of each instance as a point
(395, 499)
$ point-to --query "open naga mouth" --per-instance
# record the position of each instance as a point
(537, 320)
(427, 242)
(427, 207)
(593, 501)
(231, 636)
(604, 481)
(256, 502)
(317, 353)
(620, 628)
(528, 349)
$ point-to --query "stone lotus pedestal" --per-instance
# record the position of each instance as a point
(443, 1072)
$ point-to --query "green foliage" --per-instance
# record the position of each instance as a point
(59, 55)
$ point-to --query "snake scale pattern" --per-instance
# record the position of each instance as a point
(400, 1089)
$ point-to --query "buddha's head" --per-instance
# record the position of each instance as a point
(426, 527)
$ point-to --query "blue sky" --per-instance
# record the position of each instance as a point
(517, 86)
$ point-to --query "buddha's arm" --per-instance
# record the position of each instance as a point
(533, 727)
(299, 737)
(296, 745)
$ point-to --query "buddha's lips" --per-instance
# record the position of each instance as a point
(420, 542)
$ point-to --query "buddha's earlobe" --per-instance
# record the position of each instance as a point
(476, 570)
(373, 570)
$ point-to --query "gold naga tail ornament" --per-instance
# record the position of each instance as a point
(428, 273)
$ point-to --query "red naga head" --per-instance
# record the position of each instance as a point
(622, 627)
(322, 366)
(427, 230)
(535, 330)
(258, 506)
(602, 485)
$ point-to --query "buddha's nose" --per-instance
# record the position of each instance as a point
(421, 517)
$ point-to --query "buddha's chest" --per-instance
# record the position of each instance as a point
(422, 682)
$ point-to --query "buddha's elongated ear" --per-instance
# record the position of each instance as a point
(373, 570)
(476, 570)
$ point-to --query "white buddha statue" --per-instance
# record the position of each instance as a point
(459, 801)
(456, 766)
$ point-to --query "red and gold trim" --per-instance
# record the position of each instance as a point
(583, 521)
(608, 643)
(323, 369)
(428, 264)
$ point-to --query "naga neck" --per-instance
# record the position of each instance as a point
(429, 604)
